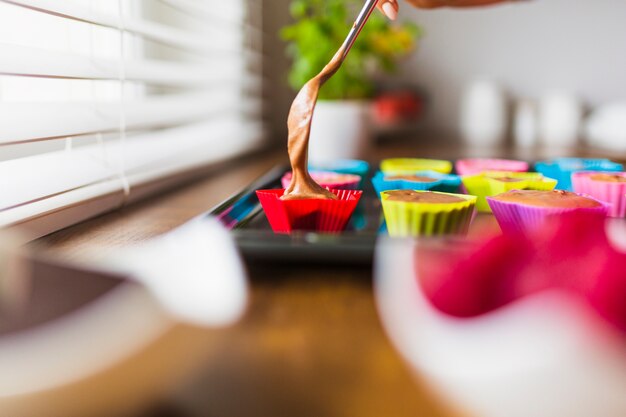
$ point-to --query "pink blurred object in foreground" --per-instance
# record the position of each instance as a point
(573, 254)
(545, 355)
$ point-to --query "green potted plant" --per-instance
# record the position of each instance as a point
(341, 116)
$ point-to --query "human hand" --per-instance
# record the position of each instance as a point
(390, 7)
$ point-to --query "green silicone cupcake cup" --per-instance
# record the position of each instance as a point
(426, 219)
(482, 186)
(402, 166)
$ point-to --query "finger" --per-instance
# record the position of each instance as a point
(389, 8)
(469, 3)
(429, 4)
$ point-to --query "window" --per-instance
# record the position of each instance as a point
(103, 101)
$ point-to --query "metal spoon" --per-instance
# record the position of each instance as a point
(358, 25)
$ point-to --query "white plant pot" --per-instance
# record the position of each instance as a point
(340, 130)
(545, 355)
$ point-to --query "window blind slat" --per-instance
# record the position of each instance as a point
(189, 147)
(161, 112)
(232, 11)
(59, 120)
(202, 43)
(65, 200)
(56, 173)
(148, 158)
(231, 14)
(35, 62)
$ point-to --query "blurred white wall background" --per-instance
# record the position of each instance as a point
(530, 47)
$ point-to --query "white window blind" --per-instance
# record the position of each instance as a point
(103, 101)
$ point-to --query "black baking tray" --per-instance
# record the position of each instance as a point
(243, 215)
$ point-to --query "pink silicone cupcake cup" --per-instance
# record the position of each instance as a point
(613, 193)
(475, 166)
(325, 180)
(515, 217)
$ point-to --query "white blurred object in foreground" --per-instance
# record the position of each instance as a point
(127, 347)
(606, 127)
(546, 355)
(194, 271)
(484, 114)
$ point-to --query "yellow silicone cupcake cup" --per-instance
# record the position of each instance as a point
(403, 166)
(425, 219)
(482, 186)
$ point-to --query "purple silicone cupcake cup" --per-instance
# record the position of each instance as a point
(516, 217)
(613, 193)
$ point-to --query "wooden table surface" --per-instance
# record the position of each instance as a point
(311, 343)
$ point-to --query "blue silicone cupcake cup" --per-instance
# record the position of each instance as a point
(344, 166)
(562, 169)
(445, 183)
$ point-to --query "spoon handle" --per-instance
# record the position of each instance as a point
(358, 25)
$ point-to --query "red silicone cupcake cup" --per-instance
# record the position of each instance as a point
(475, 166)
(328, 216)
(515, 217)
(613, 193)
(328, 180)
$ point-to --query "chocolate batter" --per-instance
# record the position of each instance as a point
(608, 177)
(302, 186)
(556, 198)
(507, 179)
(428, 197)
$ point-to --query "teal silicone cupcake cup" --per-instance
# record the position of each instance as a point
(344, 166)
(562, 169)
(442, 182)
